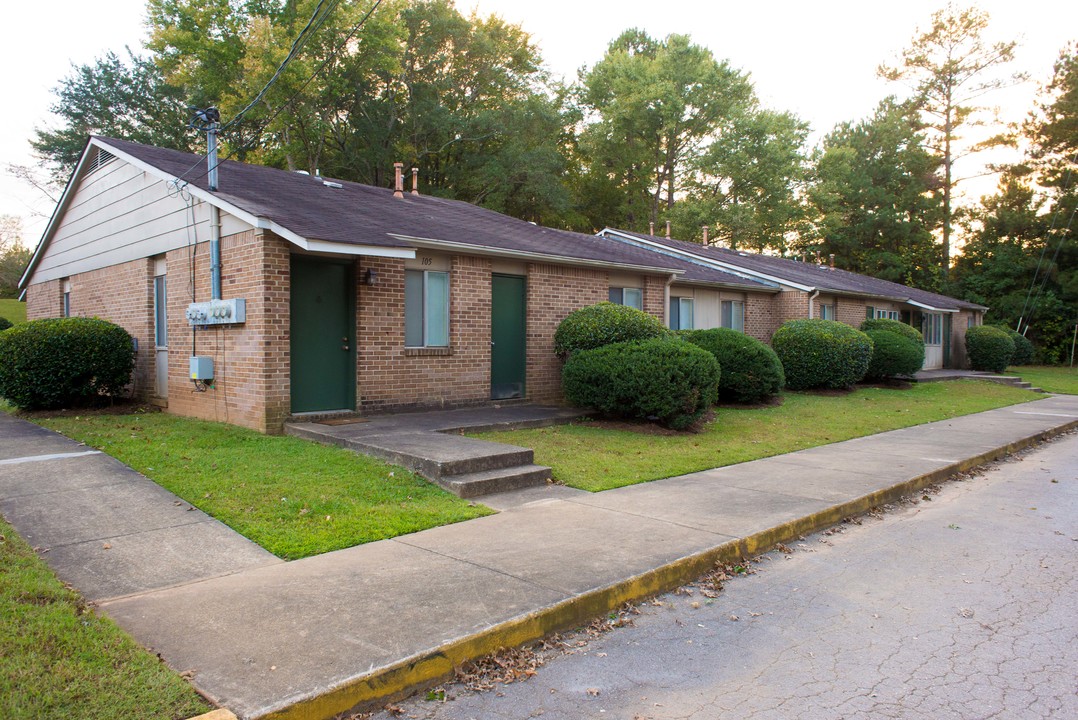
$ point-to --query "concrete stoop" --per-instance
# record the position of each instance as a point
(1013, 381)
(464, 466)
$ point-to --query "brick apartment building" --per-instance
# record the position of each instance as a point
(357, 298)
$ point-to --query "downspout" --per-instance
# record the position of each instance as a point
(215, 213)
(812, 297)
(666, 300)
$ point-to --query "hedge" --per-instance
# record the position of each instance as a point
(893, 355)
(989, 348)
(821, 353)
(5, 324)
(894, 326)
(604, 324)
(1023, 348)
(664, 379)
(751, 371)
(64, 362)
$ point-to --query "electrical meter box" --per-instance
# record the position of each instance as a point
(202, 368)
(217, 312)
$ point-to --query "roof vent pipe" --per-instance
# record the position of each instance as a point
(832, 261)
(667, 229)
(398, 180)
(651, 228)
(705, 234)
(415, 181)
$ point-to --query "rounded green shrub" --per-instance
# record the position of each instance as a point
(5, 324)
(894, 326)
(64, 362)
(1023, 348)
(604, 324)
(663, 379)
(893, 355)
(751, 371)
(821, 353)
(989, 348)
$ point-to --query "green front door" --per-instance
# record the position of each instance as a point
(322, 335)
(507, 337)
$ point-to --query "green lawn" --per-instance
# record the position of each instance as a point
(1053, 378)
(13, 310)
(589, 457)
(294, 498)
(59, 659)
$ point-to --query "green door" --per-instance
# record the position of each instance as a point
(507, 338)
(322, 335)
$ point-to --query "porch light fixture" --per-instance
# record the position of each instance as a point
(370, 277)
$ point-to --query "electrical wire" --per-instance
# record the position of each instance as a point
(257, 135)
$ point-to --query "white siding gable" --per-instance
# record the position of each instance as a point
(120, 213)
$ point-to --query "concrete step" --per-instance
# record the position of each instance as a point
(477, 484)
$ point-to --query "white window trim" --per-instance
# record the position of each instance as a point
(425, 309)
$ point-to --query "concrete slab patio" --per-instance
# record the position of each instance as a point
(313, 637)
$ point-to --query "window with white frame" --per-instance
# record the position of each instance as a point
(932, 328)
(827, 312)
(681, 313)
(631, 297)
(886, 314)
(426, 308)
(732, 315)
(65, 308)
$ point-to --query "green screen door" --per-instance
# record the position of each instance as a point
(322, 335)
(507, 337)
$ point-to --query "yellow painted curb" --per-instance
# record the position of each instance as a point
(218, 714)
(433, 666)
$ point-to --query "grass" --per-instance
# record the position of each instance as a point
(1053, 378)
(591, 457)
(13, 310)
(294, 498)
(59, 659)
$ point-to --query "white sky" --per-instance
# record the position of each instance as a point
(816, 59)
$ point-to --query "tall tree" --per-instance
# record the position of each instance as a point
(14, 255)
(746, 184)
(126, 98)
(650, 107)
(875, 195)
(950, 68)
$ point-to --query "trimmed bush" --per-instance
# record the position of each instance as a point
(893, 355)
(5, 324)
(665, 379)
(894, 326)
(989, 348)
(1023, 348)
(821, 353)
(751, 371)
(604, 324)
(63, 362)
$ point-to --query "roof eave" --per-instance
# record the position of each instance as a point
(483, 250)
(709, 262)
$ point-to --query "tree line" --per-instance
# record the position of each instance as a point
(658, 130)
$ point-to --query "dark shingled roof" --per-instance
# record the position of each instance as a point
(822, 278)
(358, 214)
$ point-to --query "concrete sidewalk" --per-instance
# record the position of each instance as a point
(313, 637)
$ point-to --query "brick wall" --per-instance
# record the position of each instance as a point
(391, 376)
(959, 324)
(655, 296)
(553, 292)
(251, 387)
(44, 300)
(789, 305)
(852, 311)
(760, 316)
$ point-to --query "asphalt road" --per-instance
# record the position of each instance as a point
(964, 605)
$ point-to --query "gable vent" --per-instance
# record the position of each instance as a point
(100, 159)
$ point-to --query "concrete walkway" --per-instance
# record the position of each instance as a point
(313, 637)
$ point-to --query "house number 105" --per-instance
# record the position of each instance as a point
(427, 261)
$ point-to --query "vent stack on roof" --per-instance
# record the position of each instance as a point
(415, 181)
(705, 233)
(398, 180)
